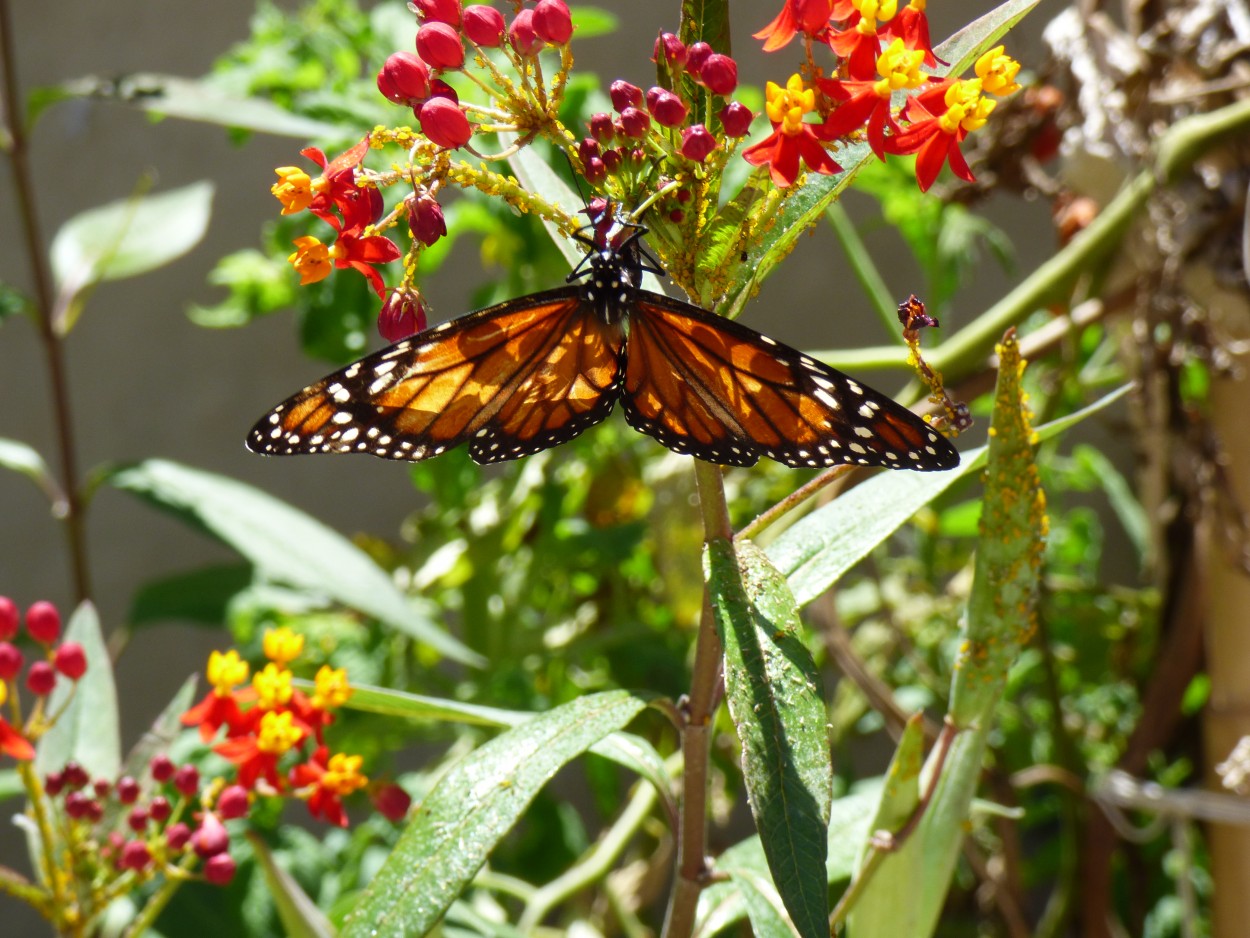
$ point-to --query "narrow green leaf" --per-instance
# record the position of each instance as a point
(172, 96)
(286, 545)
(298, 913)
(706, 21)
(625, 749)
(87, 732)
(966, 46)
(26, 459)
(1000, 619)
(721, 903)
(815, 551)
(199, 596)
(1120, 497)
(129, 237)
(765, 909)
(773, 692)
(478, 801)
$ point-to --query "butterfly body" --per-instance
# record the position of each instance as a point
(534, 372)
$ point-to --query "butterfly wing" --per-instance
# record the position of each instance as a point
(509, 380)
(705, 385)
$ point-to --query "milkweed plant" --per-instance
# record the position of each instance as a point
(605, 608)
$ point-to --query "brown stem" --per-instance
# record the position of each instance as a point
(17, 144)
(696, 735)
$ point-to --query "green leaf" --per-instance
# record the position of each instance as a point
(773, 692)
(286, 545)
(625, 749)
(172, 96)
(589, 22)
(199, 596)
(478, 801)
(26, 459)
(126, 238)
(87, 731)
(818, 549)
(298, 913)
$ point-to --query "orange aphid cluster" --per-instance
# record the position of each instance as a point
(270, 725)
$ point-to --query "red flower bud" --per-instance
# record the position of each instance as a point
(483, 25)
(219, 869)
(8, 618)
(54, 783)
(521, 34)
(736, 119)
(671, 49)
(697, 143)
(10, 661)
(187, 780)
(101, 787)
(76, 804)
(392, 801)
(696, 55)
(720, 74)
(595, 170)
(70, 660)
(43, 622)
(160, 809)
(676, 216)
(162, 768)
(137, 819)
(444, 123)
(635, 123)
(665, 107)
(588, 149)
(40, 679)
(75, 775)
(402, 315)
(135, 856)
(425, 219)
(552, 22)
(439, 45)
(439, 11)
(177, 836)
(601, 128)
(612, 160)
(210, 838)
(127, 790)
(232, 802)
(404, 79)
(624, 95)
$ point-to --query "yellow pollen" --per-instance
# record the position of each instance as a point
(786, 106)
(226, 671)
(273, 687)
(282, 645)
(277, 732)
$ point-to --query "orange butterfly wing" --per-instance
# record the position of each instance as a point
(509, 380)
(705, 385)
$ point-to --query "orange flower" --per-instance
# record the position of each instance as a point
(220, 707)
(869, 101)
(792, 139)
(325, 780)
(935, 138)
(808, 16)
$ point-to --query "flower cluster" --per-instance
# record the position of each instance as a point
(475, 72)
(144, 826)
(880, 50)
(57, 659)
(274, 732)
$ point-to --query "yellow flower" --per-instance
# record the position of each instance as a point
(965, 107)
(273, 687)
(997, 72)
(283, 645)
(311, 260)
(872, 11)
(342, 775)
(278, 733)
(293, 189)
(899, 67)
(786, 106)
(331, 689)
(226, 671)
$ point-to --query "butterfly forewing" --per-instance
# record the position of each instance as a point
(716, 389)
(510, 380)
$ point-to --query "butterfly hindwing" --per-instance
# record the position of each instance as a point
(509, 380)
(718, 390)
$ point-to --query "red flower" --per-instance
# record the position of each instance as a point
(808, 16)
(858, 46)
(912, 26)
(792, 140)
(935, 138)
(13, 743)
(325, 780)
(869, 101)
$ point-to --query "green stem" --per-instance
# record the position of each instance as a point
(71, 510)
(874, 285)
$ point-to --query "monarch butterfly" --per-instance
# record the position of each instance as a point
(534, 372)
